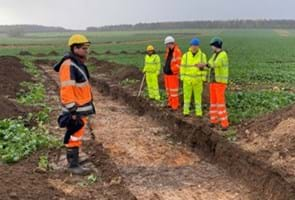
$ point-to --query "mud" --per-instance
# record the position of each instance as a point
(16, 180)
(21, 181)
(114, 70)
(131, 72)
(123, 52)
(195, 133)
(152, 166)
(144, 162)
(11, 74)
(109, 184)
(276, 147)
(50, 63)
(265, 123)
(24, 180)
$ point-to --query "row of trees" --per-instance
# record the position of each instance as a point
(235, 24)
(21, 30)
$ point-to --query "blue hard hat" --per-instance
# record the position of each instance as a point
(195, 42)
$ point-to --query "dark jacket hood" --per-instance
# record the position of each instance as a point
(71, 56)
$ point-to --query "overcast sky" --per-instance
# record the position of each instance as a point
(81, 14)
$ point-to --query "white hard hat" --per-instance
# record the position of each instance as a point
(169, 39)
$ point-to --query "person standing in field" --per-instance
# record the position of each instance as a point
(193, 75)
(219, 74)
(152, 69)
(171, 72)
(76, 99)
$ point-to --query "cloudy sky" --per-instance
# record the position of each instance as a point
(81, 14)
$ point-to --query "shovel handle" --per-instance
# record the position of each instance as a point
(141, 86)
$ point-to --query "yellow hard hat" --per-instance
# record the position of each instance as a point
(78, 39)
(150, 48)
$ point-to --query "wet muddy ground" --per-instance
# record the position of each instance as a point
(255, 167)
(144, 151)
(152, 165)
(24, 180)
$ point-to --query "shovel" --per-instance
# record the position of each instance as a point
(141, 86)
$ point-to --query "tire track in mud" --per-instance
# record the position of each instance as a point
(155, 168)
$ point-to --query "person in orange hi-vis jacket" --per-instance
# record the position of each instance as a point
(76, 99)
(171, 72)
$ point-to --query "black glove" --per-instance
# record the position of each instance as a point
(73, 110)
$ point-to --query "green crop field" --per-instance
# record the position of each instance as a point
(262, 62)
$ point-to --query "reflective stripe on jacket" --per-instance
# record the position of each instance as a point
(75, 89)
(152, 64)
(176, 59)
(220, 64)
(189, 70)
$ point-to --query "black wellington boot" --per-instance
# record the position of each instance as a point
(73, 160)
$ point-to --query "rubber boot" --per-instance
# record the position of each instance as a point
(73, 160)
(211, 125)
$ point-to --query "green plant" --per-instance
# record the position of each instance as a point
(128, 81)
(245, 105)
(231, 135)
(91, 68)
(92, 178)
(18, 141)
(31, 68)
(255, 65)
(32, 94)
(89, 180)
(43, 163)
(43, 115)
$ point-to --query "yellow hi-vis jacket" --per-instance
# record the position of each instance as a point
(219, 65)
(188, 69)
(152, 64)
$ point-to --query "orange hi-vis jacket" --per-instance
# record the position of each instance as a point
(75, 89)
(176, 60)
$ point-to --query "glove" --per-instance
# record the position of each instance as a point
(73, 109)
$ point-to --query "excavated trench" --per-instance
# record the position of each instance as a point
(160, 155)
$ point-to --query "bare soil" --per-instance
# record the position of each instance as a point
(24, 180)
(144, 151)
(11, 74)
(261, 169)
(152, 165)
